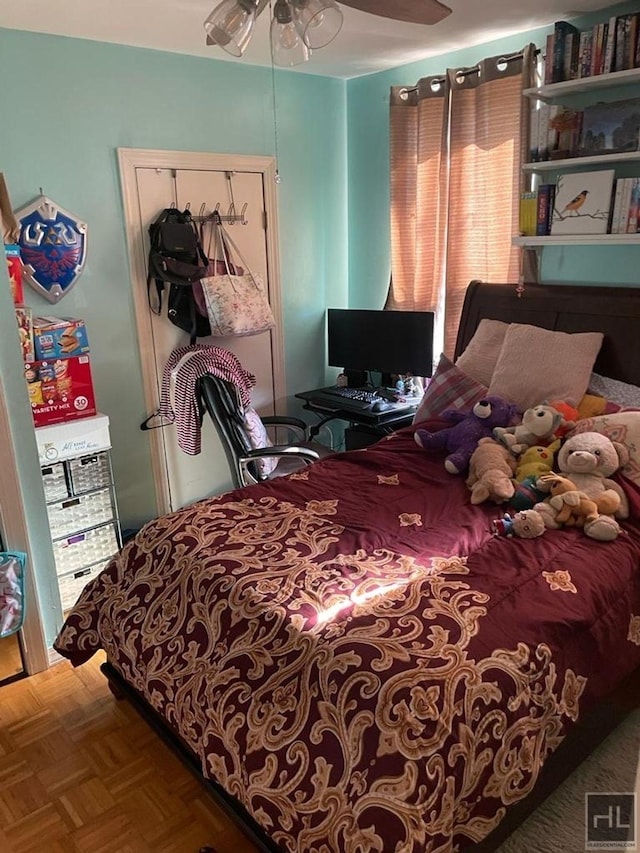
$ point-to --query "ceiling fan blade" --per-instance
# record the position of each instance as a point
(412, 11)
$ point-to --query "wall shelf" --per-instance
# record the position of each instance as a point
(578, 240)
(574, 162)
(584, 84)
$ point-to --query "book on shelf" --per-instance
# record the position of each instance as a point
(626, 41)
(544, 208)
(528, 213)
(626, 204)
(634, 207)
(610, 46)
(544, 111)
(584, 53)
(563, 50)
(614, 220)
(548, 59)
(632, 42)
(534, 124)
(582, 203)
(600, 38)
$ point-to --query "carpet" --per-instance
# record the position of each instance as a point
(558, 825)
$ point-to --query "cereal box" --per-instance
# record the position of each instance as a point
(25, 330)
(60, 389)
(59, 337)
(14, 268)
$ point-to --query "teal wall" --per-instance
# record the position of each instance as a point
(368, 169)
(68, 104)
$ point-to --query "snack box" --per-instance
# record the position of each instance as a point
(59, 337)
(25, 330)
(14, 268)
(60, 389)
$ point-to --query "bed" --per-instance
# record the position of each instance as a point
(349, 656)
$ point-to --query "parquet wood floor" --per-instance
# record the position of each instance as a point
(10, 657)
(81, 772)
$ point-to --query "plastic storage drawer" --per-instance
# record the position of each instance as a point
(89, 472)
(79, 513)
(54, 482)
(72, 585)
(83, 549)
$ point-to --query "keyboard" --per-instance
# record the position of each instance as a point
(359, 394)
(342, 404)
(354, 400)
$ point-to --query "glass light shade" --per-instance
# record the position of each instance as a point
(318, 21)
(287, 45)
(230, 25)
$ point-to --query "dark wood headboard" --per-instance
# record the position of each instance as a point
(615, 311)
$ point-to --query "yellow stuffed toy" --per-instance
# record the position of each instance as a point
(535, 461)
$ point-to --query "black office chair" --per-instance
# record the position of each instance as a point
(220, 400)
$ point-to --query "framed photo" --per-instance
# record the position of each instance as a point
(611, 128)
(583, 203)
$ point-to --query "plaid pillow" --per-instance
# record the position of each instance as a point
(449, 388)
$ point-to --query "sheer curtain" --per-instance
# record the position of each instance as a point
(456, 144)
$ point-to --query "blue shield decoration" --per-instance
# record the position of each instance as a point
(53, 247)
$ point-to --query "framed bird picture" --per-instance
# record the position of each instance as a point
(583, 203)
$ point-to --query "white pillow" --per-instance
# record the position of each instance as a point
(481, 353)
(537, 364)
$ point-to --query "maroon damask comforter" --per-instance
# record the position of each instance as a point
(355, 657)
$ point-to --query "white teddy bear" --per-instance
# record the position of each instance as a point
(588, 459)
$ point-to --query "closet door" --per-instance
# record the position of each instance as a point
(190, 478)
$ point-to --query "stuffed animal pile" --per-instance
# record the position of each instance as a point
(515, 465)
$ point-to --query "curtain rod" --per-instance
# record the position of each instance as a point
(438, 81)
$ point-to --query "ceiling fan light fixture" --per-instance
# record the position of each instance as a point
(231, 24)
(287, 45)
(318, 21)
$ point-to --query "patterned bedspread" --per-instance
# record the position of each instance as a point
(355, 657)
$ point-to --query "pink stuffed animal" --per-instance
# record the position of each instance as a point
(461, 439)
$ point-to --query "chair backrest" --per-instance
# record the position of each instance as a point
(221, 401)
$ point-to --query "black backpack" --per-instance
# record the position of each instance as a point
(176, 258)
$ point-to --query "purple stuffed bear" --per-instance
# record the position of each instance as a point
(468, 428)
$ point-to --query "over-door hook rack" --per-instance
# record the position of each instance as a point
(230, 216)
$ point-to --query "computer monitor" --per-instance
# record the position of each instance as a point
(398, 342)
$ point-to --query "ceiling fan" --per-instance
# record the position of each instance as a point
(300, 26)
(411, 11)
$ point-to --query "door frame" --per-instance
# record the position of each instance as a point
(131, 159)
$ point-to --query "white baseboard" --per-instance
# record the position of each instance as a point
(54, 657)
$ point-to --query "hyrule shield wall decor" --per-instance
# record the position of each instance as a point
(53, 247)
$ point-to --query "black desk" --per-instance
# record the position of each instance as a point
(373, 424)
